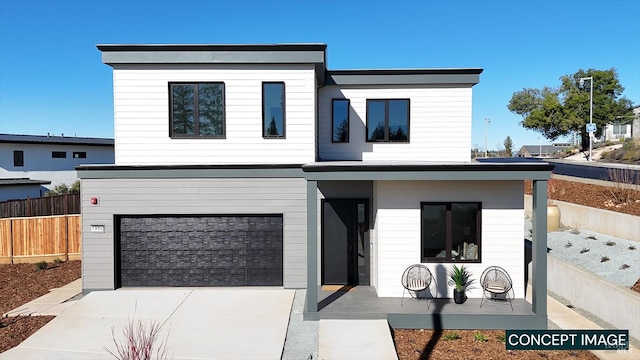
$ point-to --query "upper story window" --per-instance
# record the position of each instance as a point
(450, 231)
(273, 110)
(388, 120)
(340, 120)
(59, 154)
(197, 110)
(18, 158)
(79, 154)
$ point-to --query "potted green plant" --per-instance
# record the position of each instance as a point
(461, 278)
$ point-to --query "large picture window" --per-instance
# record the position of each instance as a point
(273, 110)
(388, 120)
(340, 120)
(197, 110)
(451, 231)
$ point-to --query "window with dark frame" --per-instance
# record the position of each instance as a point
(18, 158)
(388, 120)
(79, 154)
(273, 110)
(197, 110)
(340, 120)
(450, 231)
(59, 154)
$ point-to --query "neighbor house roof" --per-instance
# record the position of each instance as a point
(51, 139)
(22, 181)
(544, 149)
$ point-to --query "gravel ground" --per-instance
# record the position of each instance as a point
(570, 245)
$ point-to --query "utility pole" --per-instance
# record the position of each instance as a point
(590, 78)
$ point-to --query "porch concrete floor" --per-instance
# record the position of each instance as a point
(362, 302)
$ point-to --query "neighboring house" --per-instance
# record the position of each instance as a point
(46, 160)
(544, 151)
(617, 131)
(248, 165)
(21, 188)
(621, 131)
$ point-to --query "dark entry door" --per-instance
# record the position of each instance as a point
(345, 245)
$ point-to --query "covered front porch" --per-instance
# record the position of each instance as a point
(363, 302)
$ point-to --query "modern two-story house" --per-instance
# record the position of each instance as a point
(250, 165)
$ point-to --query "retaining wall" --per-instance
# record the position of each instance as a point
(612, 303)
(606, 222)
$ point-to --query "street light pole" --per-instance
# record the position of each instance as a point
(486, 121)
(590, 78)
(540, 143)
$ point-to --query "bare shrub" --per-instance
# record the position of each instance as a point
(626, 185)
(139, 343)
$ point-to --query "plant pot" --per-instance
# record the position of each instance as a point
(553, 218)
(458, 296)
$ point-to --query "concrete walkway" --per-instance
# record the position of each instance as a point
(566, 318)
(52, 303)
(356, 340)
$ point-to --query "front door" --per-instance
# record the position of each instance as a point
(345, 245)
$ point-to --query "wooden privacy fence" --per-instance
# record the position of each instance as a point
(34, 239)
(44, 206)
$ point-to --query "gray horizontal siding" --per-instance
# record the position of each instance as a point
(177, 196)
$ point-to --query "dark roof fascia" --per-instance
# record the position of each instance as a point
(468, 172)
(22, 181)
(56, 140)
(189, 171)
(315, 54)
(213, 47)
(469, 77)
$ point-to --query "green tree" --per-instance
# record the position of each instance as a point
(210, 109)
(273, 128)
(560, 111)
(64, 189)
(341, 133)
(508, 147)
(183, 116)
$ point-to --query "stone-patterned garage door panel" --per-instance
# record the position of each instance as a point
(201, 251)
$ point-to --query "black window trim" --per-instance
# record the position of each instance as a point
(449, 237)
(18, 155)
(58, 154)
(196, 125)
(284, 116)
(386, 121)
(81, 155)
(333, 124)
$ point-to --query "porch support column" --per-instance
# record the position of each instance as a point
(311, 304)
(539, 249)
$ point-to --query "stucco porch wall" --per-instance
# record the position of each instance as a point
(397, 230)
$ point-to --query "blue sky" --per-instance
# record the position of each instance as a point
(52, 78)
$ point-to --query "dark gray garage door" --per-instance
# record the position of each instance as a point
(200, 251)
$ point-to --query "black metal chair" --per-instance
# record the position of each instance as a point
(496, 285)
(416, 279)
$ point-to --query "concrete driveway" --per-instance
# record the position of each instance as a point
(203, 323)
